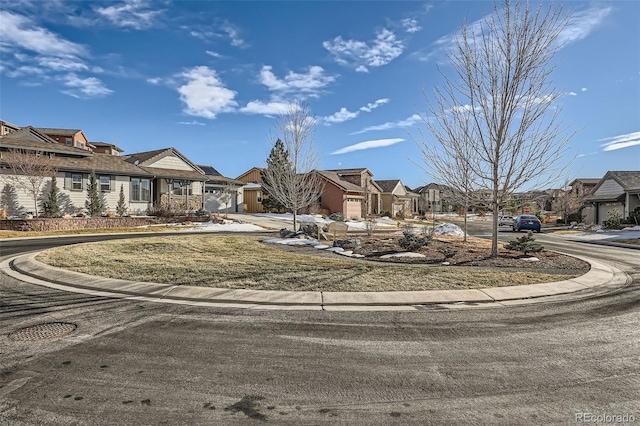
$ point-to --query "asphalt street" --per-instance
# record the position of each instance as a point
(135, 362)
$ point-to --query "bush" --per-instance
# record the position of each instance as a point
(634, 216)
(614, 217)
(412, 242)
(448, 252)
(526, 244)
(387, 214)
(338, 217)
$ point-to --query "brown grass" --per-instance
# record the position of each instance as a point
(155, 228)
(243, 262)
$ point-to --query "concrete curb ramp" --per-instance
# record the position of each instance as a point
(27, 268)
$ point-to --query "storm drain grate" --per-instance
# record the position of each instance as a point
(49, 330)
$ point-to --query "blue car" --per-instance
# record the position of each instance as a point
(527, 222)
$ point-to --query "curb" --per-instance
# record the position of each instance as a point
(26, 268)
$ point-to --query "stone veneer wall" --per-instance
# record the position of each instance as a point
(62, 224)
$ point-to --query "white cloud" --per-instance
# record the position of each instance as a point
(584, 89)
(269, 108)
(378, 143)
(311, 82)
(621, 141)
(371, 106)
(415, 118)
(16, 31)
(345, 115)
(361, 55)
(233, 34)
(341, 116)
(191, 123)
(572, 94)
(136, 14)
(60, 64)
(204, 94)
(583, 23)
(214, 54)
(411, 25)
(89, 87)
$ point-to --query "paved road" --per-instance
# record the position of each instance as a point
(134, 362)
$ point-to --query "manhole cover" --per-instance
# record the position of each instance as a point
(49, 330)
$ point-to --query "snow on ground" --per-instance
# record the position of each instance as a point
(449, 229)
(228, 226)
(622, 234)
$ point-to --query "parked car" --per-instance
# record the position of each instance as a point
(527, 222)
(506, 221)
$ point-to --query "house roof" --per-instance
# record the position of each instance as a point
(585, 181)
(58, 132)
(29, 138)
(209, 170)
(387, 185)
(174, 174)
(117, 148)
(148, 158)
(225, 180)
(260, 169)
(100, 163)
(350, 171)
(628, 180)
(334, 178)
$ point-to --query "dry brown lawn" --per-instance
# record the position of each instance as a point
(21, 234)
(243, 262)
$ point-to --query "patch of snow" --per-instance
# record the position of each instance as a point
(446, 263)
(530, 259)
(335, 249)
(321, 246)
(345, 253)
(631, 228)
(402, 254)
(449, 229)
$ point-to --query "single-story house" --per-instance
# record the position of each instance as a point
(617, 190)
(221, 194)
(148, 179)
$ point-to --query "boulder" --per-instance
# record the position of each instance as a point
(349, 244)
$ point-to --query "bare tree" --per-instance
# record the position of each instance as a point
(295, 185)
(501, 101)
(228, 189)
(29, 171)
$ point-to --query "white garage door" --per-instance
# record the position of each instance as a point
(353, 208)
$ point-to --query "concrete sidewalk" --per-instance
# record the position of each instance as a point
(601, 277)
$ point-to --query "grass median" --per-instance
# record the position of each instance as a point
(243, 262)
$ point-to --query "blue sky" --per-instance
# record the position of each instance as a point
(208, 78)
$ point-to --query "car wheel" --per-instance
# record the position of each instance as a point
(539, 230)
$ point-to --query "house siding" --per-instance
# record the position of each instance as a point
(609, 188)
(170, 162)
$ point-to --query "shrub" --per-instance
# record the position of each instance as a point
(526, 244)
(614, 217)
(338, 217)
(412, 242)
(448, 252)
(370, 226)
(387, 214)
(634, 216)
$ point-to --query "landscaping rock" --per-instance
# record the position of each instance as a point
(350, 244)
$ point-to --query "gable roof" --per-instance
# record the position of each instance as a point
(209, 170)
(351, 171)
(585, 181)
(58, 132)
(30, 139)
(259, 169)
(116, 147)
(387, 185)
(148, 158)
(334, 178)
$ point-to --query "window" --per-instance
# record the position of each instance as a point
(105, 184)
(80, 145)
(68, 141)
(140, 189)
(181, 188)
(76, 182)
(259, 196)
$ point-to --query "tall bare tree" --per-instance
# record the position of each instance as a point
(29, 171)
(501, 102)
(295, 186)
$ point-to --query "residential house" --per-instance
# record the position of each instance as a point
(434, 197)
(7, 128)
(147, 179)
(371, 203)
(221, 194)
(69, 137)
(176, 182)
(251, 194)
(617, 190)
(397, 198)
(341, 195)
(106, 148)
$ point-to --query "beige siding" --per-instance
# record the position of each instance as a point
(609, 187)
(252, 175)
(170, 162)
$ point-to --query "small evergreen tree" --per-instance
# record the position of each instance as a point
(50, 206)
(278, 160)
(93, 204)
(412, 242)
(525, 244)
(121, 207)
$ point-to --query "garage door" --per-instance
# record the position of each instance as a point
(353, 208)
(603, 209)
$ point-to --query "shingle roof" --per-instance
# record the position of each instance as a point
(627, 179)
(334, 178)
(57, 132)
(145, 156)
(387, 185)
(350, 171)
(12, 142)
(116, 147)
(100, 163)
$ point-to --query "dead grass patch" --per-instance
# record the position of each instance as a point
(20, 234)
(243, 262)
